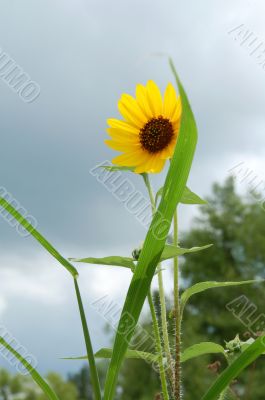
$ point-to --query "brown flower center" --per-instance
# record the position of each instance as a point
(156, 134)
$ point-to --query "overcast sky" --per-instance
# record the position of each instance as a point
(83, 54)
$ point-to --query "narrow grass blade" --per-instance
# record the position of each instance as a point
(235, 368)
(201, 349)
(22, 221)
(90, 354)
(70, 268)
(47, 390)
(155, 240)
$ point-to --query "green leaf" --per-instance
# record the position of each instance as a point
(191, 352)
(235, 368)
(47, 390)
(171, 251)
(107, 353)
(90, 355)
(114, 168)
(202, 286)
(201, 349)
(70, 268)
(188, 197)
(22, 221)
(118, 261)
(128, 262)
(155, 240)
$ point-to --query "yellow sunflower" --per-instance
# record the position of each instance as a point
(148, 133)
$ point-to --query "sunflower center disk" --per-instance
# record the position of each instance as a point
(156, 134)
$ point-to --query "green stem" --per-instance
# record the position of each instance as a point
(161, 292)
(177, 385)
(158, 348)
(90, 353)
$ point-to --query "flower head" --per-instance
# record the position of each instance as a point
(148, 133)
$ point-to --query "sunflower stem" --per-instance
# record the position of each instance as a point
(177, 385)
(161, 294)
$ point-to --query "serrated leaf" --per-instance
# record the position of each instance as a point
(47, 390)
(202, 286)
(171, 251)
(201, 349)
(117, 261)
(235, 368)
(176, 180)
(188, 197)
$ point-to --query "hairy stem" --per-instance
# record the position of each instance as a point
(161, 294)
(177, 385)
(158, 348)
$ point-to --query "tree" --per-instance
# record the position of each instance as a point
(236, 227)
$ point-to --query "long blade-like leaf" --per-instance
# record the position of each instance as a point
(65, 263)
(155, 240)
(235, 368)
(22, 221)
(47, 390)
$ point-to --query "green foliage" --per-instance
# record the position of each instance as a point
(236, 227)
(17, 387)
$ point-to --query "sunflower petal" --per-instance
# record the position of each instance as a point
(142, 99)
(178, 110)
(159, 164)
(122, 146)
(129, 159)
(118, 124)
(130, 110)
(170, 101)
(122, 136)
(154, 98)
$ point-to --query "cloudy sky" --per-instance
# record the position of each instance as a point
(83, 54)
